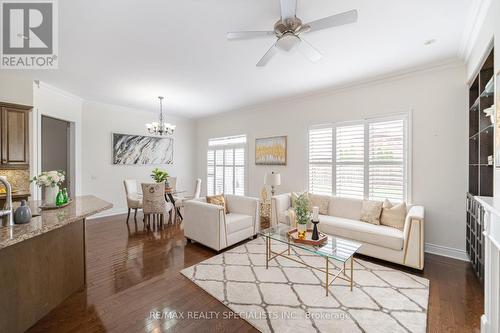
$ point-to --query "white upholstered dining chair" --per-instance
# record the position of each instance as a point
(179, 201)
(154, 205)
(134, 198)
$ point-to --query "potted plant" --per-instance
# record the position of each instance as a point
(160, 176)
(302, 214)
(50, 182)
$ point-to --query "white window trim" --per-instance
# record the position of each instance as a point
(408, 135)
(223, 147)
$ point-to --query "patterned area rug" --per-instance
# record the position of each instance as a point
(290, 297)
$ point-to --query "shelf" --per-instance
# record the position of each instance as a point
(489, 127)
(475, 106)
(489, 88)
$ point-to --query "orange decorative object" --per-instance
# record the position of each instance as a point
(294, 236)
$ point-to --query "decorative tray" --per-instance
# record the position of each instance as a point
(294, 235)
(47, 206)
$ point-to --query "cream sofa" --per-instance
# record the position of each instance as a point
(209, 225)
(404, 247)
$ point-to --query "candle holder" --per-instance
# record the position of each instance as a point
(315, 233)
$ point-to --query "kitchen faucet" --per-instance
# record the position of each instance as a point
(7, 209)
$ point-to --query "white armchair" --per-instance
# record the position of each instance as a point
(209, 225)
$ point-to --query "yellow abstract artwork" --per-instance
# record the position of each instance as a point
(270, 151)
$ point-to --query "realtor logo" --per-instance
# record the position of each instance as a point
(28, 34)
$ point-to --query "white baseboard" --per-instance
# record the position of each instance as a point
(445, 251)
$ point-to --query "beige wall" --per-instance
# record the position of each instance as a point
(102, 178)
(14, 89)
(437, 99)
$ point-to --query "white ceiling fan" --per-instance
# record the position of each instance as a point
(289, 28)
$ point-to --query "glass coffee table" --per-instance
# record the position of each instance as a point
(335, 248)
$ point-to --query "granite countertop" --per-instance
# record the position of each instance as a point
(48, 220)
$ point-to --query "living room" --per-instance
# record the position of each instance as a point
(250, 166)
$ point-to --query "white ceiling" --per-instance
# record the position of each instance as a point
(129, 52)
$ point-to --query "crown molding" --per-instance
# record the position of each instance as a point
(356, 84)
(475, 20)
(42, 85)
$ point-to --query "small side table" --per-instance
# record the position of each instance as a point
(265, 214)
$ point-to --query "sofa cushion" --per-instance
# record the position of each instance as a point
(287, 217)
(320, 201)
(393, 215)
(218, 200)
(379, 235)
(236, 222)
(345, 207)
(370, 211)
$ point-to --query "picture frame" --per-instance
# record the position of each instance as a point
(130, 149)
(271, 151)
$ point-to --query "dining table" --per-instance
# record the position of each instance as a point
(170, 197)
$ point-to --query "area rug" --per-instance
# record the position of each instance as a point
(290, 297)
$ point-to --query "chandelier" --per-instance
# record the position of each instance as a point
(160, 128)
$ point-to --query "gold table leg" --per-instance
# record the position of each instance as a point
(267, 252)
(352, 266)
(326, 274)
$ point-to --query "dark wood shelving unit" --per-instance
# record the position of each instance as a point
(481, 157)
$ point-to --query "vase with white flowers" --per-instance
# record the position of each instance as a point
(50, 182)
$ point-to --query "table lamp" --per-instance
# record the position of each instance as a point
(272, 179)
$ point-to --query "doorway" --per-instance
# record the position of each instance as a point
(56, 149)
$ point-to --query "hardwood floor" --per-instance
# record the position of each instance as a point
(132, 272)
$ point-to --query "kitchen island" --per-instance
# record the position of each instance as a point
(43, 262)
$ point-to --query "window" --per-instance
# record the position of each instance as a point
(365, 159)
(226, 165)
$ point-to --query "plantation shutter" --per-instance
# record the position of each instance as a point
(350, 159)
(386, 159)
(226, 165)
(367, 159)
(320, 160)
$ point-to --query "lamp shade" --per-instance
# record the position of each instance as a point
(272, 179)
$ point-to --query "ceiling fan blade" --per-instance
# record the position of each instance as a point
(269, 54)
(309, 51)
(241, 35)
(334, 20)
(288, 8)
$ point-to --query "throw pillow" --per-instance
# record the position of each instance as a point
(321, 201)
(393, 215)
(218, 200)
(370, 211)
(290, 216)
(296, 195)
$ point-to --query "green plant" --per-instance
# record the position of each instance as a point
(159, 176)
(302, 209)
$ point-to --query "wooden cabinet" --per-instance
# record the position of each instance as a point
(14, 136)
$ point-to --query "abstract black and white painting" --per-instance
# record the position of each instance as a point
(139, 149)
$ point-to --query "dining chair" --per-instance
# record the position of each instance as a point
(179, 201)
(154, 204)
(172, 182)
(134, 198)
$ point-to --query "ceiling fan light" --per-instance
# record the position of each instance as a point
(287, 42)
